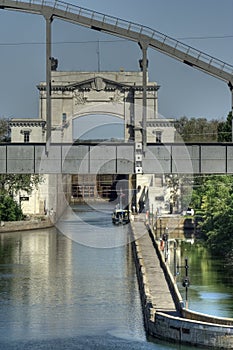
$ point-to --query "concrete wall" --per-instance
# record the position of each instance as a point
(15, 226)
(193, 328)
(35, 128)
(58, 195)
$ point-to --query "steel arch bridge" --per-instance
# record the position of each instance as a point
(197, 156)
(146, 37)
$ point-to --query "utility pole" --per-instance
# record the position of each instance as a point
(186, 281)
(98, 54)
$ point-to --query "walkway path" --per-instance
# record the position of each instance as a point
(162, 320)
(160, 294)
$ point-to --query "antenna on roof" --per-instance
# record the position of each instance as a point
(98, 54)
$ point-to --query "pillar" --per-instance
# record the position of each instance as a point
(144, 65)
(48, 18)
(230, 84)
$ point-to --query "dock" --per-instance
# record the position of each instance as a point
(158, 287)
(164, 312)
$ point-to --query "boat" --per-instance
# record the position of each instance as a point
(121, 216)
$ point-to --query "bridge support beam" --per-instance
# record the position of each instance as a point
(231, 113)
(231, 89)
(144, 65)
(49, 19)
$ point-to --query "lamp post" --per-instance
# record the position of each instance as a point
(186, 281)
(165, 239)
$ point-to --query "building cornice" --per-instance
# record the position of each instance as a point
(160, 123)
(98, 84)
(27, 123)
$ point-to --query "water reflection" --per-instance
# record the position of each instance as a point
(58, 294)
(211, 287)
(91, 226)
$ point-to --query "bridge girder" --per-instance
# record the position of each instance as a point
(112, 158)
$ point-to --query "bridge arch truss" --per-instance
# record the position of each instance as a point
(143, 35)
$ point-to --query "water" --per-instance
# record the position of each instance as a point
(211, 282)
(56, 293)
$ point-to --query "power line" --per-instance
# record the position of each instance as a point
(206, 37)
(62, 42)
(109, 41)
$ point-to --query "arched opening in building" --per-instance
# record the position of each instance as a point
(98, 127)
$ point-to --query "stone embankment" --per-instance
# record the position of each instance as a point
(34, 223)
(165, 316)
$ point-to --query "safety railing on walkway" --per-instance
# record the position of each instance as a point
(131, 31)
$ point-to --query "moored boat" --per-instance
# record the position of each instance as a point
(121, 216)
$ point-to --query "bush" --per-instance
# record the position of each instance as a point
(10, 209)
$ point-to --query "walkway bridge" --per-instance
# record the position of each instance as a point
(138, 157)
(125, 29)
(143, 35)
(116, 158)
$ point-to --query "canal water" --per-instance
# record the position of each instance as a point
(64, 291)
(211, 281)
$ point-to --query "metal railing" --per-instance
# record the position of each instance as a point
(174, 45)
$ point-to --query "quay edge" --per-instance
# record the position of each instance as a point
(187, 327)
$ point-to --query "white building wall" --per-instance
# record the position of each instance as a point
(76, 94)
(34, 127)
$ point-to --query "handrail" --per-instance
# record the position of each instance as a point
(167, 44)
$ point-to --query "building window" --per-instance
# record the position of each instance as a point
(158, 136)
(64, 118)
(26, 137)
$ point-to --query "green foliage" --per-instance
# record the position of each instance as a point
(196, 130)
(213, 197)
(203, 130)
(13, 183)
(4, 130)
(9, 209)
(225, 130)
(10, 185)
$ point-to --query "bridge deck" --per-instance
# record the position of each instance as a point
(116, 158)
(159, 290)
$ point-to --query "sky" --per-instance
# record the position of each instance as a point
(206, 25)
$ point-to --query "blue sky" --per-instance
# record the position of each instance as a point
(204, 24)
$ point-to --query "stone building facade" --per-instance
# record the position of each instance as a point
(80, 94)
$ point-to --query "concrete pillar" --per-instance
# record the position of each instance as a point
(232, 113)
(230, 84)
(144, 65)
(48, 19)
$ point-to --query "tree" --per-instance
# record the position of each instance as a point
(215, 199)
(196, 130)
(10, 185)
(4, 130)
(13, 183)
(225, 129)
(9, 209)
